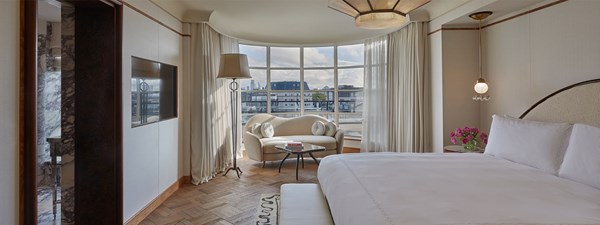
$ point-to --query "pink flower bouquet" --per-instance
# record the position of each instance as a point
(468, 137)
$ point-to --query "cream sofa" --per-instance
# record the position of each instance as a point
(293, 129)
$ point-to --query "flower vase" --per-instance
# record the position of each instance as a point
(470, 145)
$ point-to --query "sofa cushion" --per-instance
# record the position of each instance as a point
(330, 128)
(266, 129)
(325, 141)
(318, 128)
(256, 130)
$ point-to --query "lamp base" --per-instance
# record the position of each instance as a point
(237, 170)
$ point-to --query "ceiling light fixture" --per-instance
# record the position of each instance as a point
(481, 87)
(377, 14)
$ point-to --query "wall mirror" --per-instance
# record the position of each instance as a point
(153, 91)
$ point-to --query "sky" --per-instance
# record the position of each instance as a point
(285, 64)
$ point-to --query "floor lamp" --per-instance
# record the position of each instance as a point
(234, 66)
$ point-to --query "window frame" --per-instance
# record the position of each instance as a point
(335, 115)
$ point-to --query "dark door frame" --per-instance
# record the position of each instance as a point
(98, 165)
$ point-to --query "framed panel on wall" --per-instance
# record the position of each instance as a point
(153, 91)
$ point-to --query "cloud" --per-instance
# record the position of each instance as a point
(285, 75)
(318, 57)
(349, 55)
(352, 76)
(317, 79)
(285, 57)
(257, 55)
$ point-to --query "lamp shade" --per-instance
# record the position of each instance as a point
(234, 66)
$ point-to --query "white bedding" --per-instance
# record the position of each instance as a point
(396, 188)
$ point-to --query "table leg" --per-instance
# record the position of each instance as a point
(312, 156)
(297, 162)
(283, 160)
(302, 155)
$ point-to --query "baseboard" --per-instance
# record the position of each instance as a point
(142, 214)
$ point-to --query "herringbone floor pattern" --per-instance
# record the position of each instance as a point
(227, 199)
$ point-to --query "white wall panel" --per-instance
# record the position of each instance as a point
(9, 121)
(168, 153)
(507, 63)
(151, 153)
(437, 96)
(534, 55)
(150, 8)
(140, 144)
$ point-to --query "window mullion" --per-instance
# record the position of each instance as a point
(268, 79)
(301, 80)
(335, 86)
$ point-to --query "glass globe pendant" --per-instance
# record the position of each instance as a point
(481, 87)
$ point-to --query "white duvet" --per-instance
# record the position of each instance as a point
(396, 188)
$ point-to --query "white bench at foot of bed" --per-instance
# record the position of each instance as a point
(303, 204)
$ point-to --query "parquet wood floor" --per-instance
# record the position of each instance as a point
(228, 200)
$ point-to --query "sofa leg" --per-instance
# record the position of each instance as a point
(263, 166)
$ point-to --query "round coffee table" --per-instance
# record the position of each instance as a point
(299, 152)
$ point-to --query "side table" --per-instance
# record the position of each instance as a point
(460, 149)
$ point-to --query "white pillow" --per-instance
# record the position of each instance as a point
(330, 128)
(318, 128)
(582, 159)
(256, 130)
(536, 144)
(266, 129)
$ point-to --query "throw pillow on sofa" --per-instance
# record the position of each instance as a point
(318, 128)
(266, 129)
(331, 128)
(256, 130)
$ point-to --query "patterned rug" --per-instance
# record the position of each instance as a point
(268, 209)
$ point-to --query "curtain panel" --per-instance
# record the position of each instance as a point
(374, 139)
(206, 112)
(400, 93)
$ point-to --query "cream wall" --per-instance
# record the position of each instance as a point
(9, 158)
(453, 67)
(152, 158)
(534, 55)
(459, 73)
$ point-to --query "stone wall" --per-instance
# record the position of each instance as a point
(68, 116)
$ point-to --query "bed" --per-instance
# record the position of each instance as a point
(549, 175)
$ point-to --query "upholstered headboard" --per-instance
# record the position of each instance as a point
(577, 103)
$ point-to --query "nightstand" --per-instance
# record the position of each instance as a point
(459, 149)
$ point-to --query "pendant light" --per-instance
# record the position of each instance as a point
(481, 87)
(377, 14)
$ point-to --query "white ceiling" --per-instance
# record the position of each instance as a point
(499, 9)
(307, 22)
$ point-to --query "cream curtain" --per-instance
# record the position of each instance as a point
(405, 114)
(408, 119)
(374, 138)
(206, 104)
